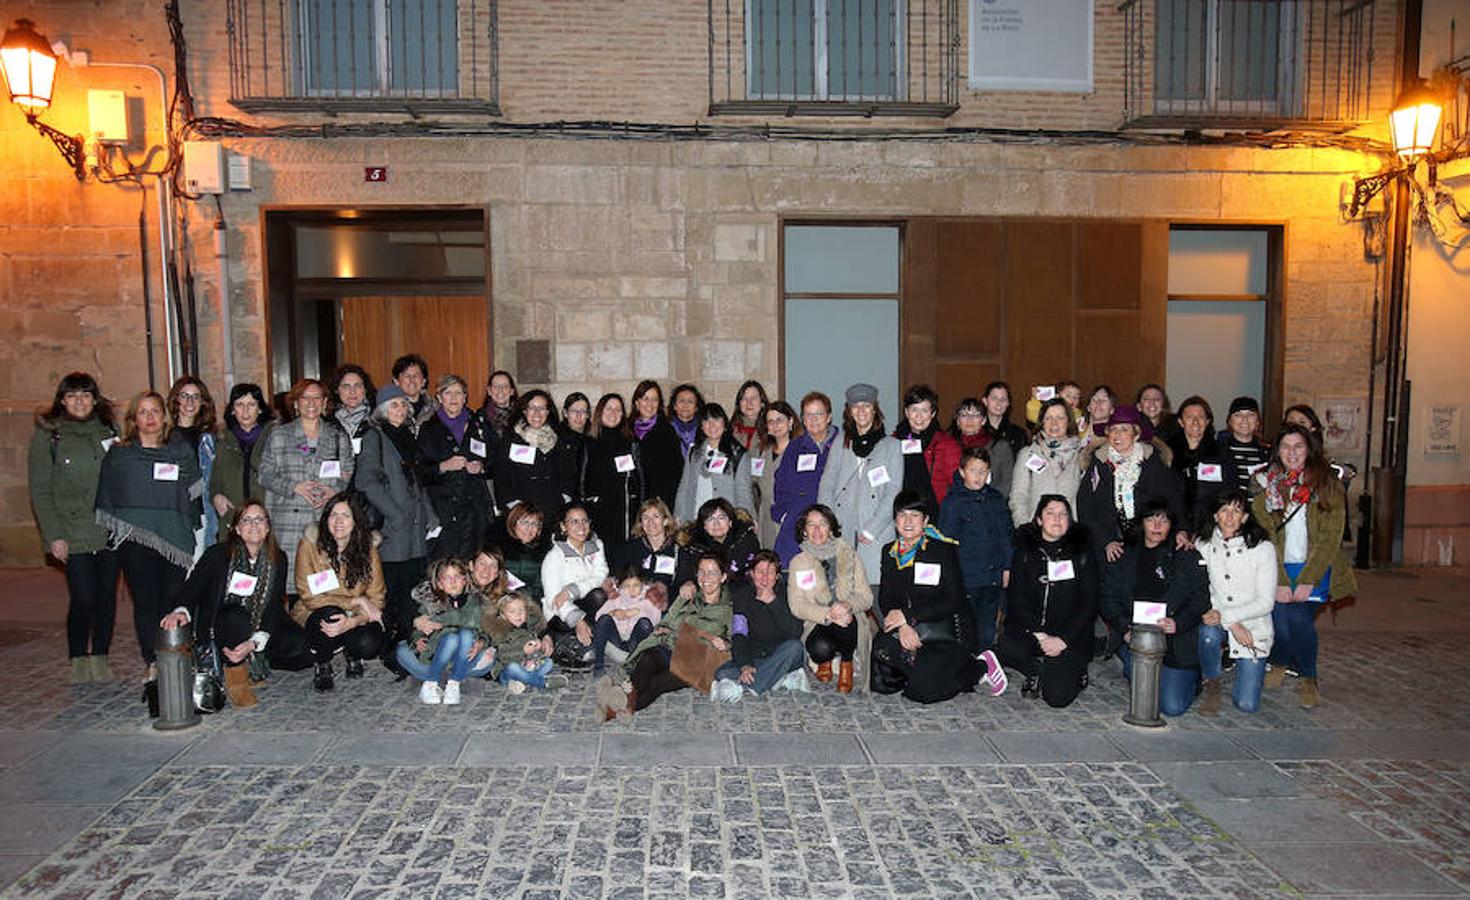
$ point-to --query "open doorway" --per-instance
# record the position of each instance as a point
(369, 285)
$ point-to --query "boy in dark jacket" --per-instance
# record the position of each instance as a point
(765, 637)
(978, 516)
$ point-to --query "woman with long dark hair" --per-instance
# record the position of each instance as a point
(499, 408)
(575, 433)
(661, 458)
(745, 419)
(686, 404)
(712, 468)
(612, 481)
(236, 474)
(779, 426)
(191, 409)
(1196, 458)
(352, 399)
(1241, 563)
(64, 462)
(339, 578)
(996, 399)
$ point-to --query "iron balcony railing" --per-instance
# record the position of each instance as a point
(834, 57)
(414, 56)
(1257, 63)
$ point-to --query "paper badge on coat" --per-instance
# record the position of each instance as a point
(512, 582)
(911, 446)
(107, 443)
(806, 579)
(806, 462)
(321, 582)
(1209, 472)
(1060, 570)
(1149, 612)
(330, 468)
(356, 446)
(623, 463)
(433, 532)
(242, 584)
(1035, 463)
(165, 472)
(663, 565)
(716, 464)
(926, 573)
(524, 454)
(1044, 392)
(757, 468)
(878, 476)
(477, 447)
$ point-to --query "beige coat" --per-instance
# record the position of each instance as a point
(810, 604)
(310, 560)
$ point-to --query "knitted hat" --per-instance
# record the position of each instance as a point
(1244, 404)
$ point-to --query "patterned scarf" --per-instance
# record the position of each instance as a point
(905, 558)
(1126, 470)
(687, 432)
(264, 570)
(1285, 489)
(543, 438)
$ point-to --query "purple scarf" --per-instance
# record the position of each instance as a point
(641, 427)
(687, 432)
(456, 425)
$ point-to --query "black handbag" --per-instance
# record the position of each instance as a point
(209, 687)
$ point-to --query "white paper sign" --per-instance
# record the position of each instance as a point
(165, 472)
(1256, 468)
(321, 582)
(524, 454)
(926, 573)
(1209, 472)
(717, 464)
(1035, 463)
(806, 462)
(623, 463)
(663, 565)
(878, 475)
(433, 532)
(1043, 392)
(1031, 46)
(477, 447)
(356, 446)
(911, 446)
(330, 468)
(757, 468)
(242, 584)
(512, 582)
(1147, 612)
(806, 580)
(1060, 570)
(107, 444)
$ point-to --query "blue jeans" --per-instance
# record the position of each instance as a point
(535, 676)
(1296, 627)
(1250, 673)
(606, 632)
(1177, 687)
(450, 654)
(788, 656)
(986, 602)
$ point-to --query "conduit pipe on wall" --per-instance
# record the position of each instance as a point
(222, 254)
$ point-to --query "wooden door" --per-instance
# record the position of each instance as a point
(451, 333)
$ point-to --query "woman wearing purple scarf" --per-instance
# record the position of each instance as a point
(660, 453)
(453, 468)
(800, 472)
(235, 477)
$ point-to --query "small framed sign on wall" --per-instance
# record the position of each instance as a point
(1031, 45)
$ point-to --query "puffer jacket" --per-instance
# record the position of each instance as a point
(578, 574)
(981, 524)
(310, 560)
(64, 463)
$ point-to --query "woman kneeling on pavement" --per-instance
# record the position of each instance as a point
(828, 588)
(1175, 590)
(1242, 567)
(1050, 604)
(446, 635)
(340, 579)
(927, 648)
(765, 638)
(235, 598)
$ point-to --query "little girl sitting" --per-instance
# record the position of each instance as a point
(521, 657)
(447, 635)
(628, 616)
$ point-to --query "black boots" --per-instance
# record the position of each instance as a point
(324, 680)
(354, 668)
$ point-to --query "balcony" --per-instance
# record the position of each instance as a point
(1257, 64)
(834, 57)
(335, 56)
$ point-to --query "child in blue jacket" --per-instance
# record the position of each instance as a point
(976, 514)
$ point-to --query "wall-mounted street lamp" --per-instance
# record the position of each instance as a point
(1414, 121)
(29, 65)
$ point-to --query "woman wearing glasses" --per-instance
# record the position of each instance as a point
(532, 463)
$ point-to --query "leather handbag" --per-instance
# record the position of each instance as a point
(694, 661)
(209, 689)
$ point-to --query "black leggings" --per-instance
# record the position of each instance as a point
(91, 587)
(153, 581)
(651, 677)
(1060, 677)
(363, 642)
(828, 642)
(401, 578)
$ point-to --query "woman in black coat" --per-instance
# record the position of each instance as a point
(927, 648)
(1203, 469)
(612, 483)
(533, 464)
(1050, 604)
(453, 468)
(719, 525)
(661, 455)
(1112, 515)
(654, 550)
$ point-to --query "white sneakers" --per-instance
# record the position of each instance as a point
(726, 691)
(795, 680)
(516, 687)
(430, 695)
(451, 693)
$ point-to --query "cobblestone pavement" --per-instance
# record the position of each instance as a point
(366, 793)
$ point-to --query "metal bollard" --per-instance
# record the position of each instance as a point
(174, 648)
(1147, 645)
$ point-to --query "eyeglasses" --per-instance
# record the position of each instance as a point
(577, 521)
(254, 520)
(536, 408)
(191, 397)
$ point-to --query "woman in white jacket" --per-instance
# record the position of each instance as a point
(572, 576)
(1242, 567)
(1051, 464)
(864, 473)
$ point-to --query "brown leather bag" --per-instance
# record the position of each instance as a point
(694, 661)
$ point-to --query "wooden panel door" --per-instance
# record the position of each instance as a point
(451, 333)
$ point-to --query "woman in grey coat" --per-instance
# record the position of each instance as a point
(863, 475)
(385, 476)
(713, 468)
(305, 462)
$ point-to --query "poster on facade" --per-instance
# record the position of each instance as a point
(1031, 45)
(1442, 437)
(1342, 425)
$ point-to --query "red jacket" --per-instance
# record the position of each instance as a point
(942, 457)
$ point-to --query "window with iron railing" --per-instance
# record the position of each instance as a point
(391, 55)
(833, 57)
(1251, 63)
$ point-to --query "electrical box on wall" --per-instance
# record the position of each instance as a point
(204, 167)
(107, 116)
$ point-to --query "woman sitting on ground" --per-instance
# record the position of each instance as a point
(339, 578)
(765, 638)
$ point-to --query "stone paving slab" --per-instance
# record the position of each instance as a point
(1053, 747)
(530, 750)
(255, 749)
(807, 750)
(930, 749)
(1150, 746)
(1340, 870)
(1304, 744)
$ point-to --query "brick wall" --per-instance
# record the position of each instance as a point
(634, 258)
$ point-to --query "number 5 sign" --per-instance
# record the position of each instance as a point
(375, 173)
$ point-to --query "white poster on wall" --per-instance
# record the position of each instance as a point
(1442, 431)
(1031, 45)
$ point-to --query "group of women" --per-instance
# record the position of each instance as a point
(913, 559)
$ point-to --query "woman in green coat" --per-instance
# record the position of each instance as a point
(236, 474)
(64, 461)
(709, 611)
